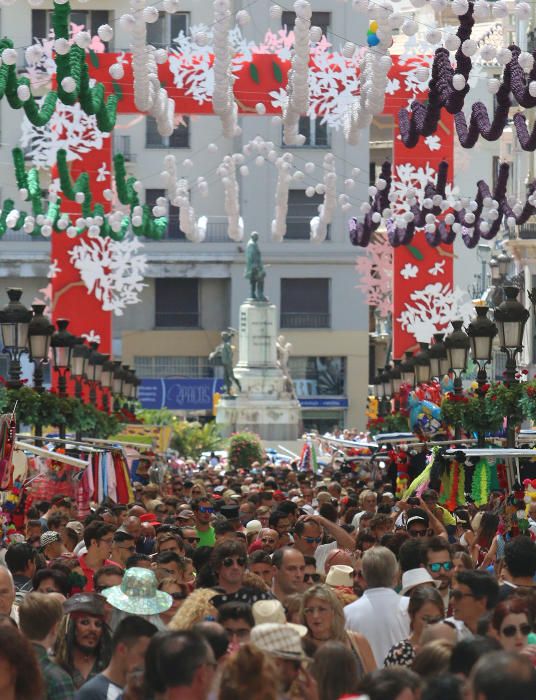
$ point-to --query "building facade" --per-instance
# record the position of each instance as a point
(193, 291)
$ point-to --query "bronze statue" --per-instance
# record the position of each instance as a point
(223, 356)
(255, 271)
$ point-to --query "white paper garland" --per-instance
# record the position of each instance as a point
(178, 193)
(223, 102)
(284, 178)
(296, 103)
(319, 224)
(227, 172)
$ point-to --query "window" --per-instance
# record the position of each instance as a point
(180, 138)
(301, 209)
(318, 19)
(318, 376)
(122, 145)
(305, 303)
(315, 132)
(156, 367)
(174, 232)
(167, 28)
(176, 303)
(91, 20)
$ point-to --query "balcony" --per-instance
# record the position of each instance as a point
(296, 319)
(527, 231)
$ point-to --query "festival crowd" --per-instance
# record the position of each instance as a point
(268, 584)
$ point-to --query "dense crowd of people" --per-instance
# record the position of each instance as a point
(268, 584)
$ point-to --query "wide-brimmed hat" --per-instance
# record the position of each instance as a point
(340, 575)
(415, 577)
(138, 593)
(89, 603)
(271, 611)
(281, 641)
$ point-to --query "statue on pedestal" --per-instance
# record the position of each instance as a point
(255, 271)
(223, 356)
(283, 353)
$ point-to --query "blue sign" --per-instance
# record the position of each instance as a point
(324, 402)
(179, 394)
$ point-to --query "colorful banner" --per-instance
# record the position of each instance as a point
(179, 394)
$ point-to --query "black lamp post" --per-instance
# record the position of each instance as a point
(95, 364)
(14, 321)
(107, 379)
(396, 383)
(385, 378)
(481, 331)
(439, 362)
(511, 317)
(79, 361)
(457, 344)
(422, 365)
(407, 369)
(117, 384)
(39, 334)
(62, 343)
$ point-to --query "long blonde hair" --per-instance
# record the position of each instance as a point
(195, 609)
(325, 593)
(249, 674)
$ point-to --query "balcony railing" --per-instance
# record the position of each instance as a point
(177, 319)
(295, 319)
(527, 231)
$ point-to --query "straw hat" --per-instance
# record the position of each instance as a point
(138, 593)
(254, 526)
(272, 612)
(281, 641)
(340, 575)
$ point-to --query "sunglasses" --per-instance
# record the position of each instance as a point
(178, 596)
(315, 578)
(191, 540)
(436, 568)
(310, 540)
(510, 630)
(229, 561)
(206, 509)
(417, 533)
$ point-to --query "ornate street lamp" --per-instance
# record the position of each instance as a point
(396, 378)
(107, 379)
(437, 352)
(40, 331)
(14, 321)
(422, 365)
(79, 360)
(62, 343)
(117, 383)
(385, 379)
(511, 317)
(407, 369)
(494, 271)
(95, 364)
(503, 261)
(481, 331)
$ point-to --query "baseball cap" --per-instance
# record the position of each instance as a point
(49, 537)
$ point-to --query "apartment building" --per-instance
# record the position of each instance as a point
(193, 291)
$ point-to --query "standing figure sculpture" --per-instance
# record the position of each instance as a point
(255, 271)
(283, 353)
(223, 355)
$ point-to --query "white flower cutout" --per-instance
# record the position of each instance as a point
(91, 336)
(409, 271)
(437, 269)
(433, 142)
(53, 269)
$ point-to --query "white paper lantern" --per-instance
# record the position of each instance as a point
(68, 84)
(260, 108)
(452, 42)
(469, 47)
(315, 34)
(116, 70)
(458, 81)
(82, 39)
(276, 12)
(150, 15)
(504, 56)
(105, 32)
(23, 93)
(243, 18)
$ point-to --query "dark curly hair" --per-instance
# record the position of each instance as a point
(19, 654)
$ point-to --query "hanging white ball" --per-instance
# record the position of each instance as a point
(469, 47)
(488, 52)
(171, 6)
(309, 168)
(450, 219)
(137, 221)
(127, 22)
(105, 32)
(61, 47)
(430, 228)
(161, 56)
(376, 217)
(526, 61)
(459, 7)
(276, 12)
(355, 172)
(260, 108)
(298, 176)
(212, 147)
(244, 170)
(494, 84)
(68, 84)
(410, 27)
(108, 195)
(72, 231)
(469, 218)
(62, 223)
(116, 71)
(243, 18)
(499, 9)
(259, 161)
(320, 188)
(80, 197)
(348, 49)
(458, 81)
(93, 231)
(522, 10)
(150, 14)
(9, 57)
(201, 38)
(349, 184)
(422, 74)
(452, 42)
(511, 222)
(433, 36)
(315, 34)
(82, 39)
(23, 93)
(310, 191)
(504, 56)
(532, 88)
(365, 208)
(481, 10)
(372, 191)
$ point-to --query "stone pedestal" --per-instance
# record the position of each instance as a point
(265, 405)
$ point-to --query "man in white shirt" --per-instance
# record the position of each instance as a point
(380, 614)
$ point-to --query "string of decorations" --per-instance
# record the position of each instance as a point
(473, 219)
